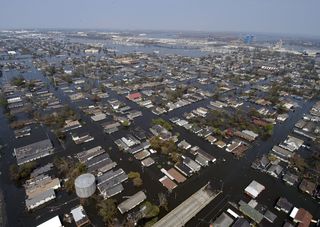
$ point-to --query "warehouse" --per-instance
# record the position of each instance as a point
(33, 151)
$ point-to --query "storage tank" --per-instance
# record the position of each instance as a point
(85, 185)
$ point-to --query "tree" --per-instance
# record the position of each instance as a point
(21, 173)
(107, 210)
(18, 81)
(299, 162)
(163, 123)
(149, 210)
(136, 178)
(175, 157)
(281, 109)
(126, 123)
(137, 182)
(74, 172)
(155, 143)
(3, 101)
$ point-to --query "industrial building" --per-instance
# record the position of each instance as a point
(33, 151)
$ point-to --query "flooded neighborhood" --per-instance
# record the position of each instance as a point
(102, 128)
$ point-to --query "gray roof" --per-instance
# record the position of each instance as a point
(290, 178)
(39, 199)
(271, 217)
(250, 212)
(33, 151)
(132, 202)
(114, 190)
(241, 222)
(284, 205)
(109, 175)
(223, 221)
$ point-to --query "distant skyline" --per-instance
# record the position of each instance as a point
(295, 17)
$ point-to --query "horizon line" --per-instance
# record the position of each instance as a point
(300, 35)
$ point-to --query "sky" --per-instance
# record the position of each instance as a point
(299, 17)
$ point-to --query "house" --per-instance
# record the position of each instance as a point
(91, 51)
(283, 205)
(307, 186)
(195, 167)
(132, 202)
(109, 184)
(241, 222)
(147, 162)
(40, 199)
(82, 138)
(71, 125)
(223, 220)
(271, 217)
(142, 154)
(220, 144)
(168, 183)
(281, 153)
(233, 145)
(84, 156)
(52, 222)
(79, 216)
(254, 189)
(249, 135)
(252, 213)
(301, 216)
(275, 170)
(184, 145)
(282, 117)
(218, 104)
(40, 184)
(176, 175)
(99, 116)
(292, 143)
(184, 169)
(290, 178)
(287, 224)
(264, 162)
(211, 139)
(133, 114)
(134, 96)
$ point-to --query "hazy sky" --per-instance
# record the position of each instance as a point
(276, 16)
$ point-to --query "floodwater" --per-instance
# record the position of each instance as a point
(228, 173)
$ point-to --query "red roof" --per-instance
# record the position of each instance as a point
(303, 217)
(136, 95)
